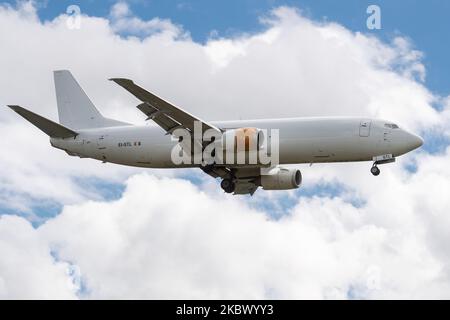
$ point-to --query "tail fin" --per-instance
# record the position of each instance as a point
(51, 128)
(75, 109)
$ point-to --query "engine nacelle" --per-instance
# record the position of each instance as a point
(242, 145)
(281, 179)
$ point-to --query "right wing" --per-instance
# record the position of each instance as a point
(165, 114)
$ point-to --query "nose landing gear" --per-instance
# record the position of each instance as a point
(227, 185)
(387, 158)
(374, 170)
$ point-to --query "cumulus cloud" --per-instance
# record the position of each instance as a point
(27, 269)
(124, 21)
(165, 237)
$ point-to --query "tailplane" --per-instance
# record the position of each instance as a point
(52, 129)
(75, 109)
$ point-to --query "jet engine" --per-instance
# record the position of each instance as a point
(241, 145)
(281, 179)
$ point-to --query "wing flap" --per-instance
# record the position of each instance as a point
(161, 118)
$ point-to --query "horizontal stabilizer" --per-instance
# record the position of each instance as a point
(51, 128)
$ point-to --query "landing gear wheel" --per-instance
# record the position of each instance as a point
(227, 185)
(375, 171)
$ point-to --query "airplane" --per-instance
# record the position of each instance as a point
(82, 131)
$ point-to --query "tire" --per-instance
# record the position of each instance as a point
(227, 185)
(375, 171)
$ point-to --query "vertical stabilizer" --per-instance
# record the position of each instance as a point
(75, 109)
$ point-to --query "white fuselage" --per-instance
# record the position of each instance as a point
(301, 140)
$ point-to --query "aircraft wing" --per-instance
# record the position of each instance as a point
(170, 117)
(165, 114)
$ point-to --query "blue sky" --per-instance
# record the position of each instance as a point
(425, 22)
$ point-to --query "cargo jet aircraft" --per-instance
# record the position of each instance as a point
(85, 133)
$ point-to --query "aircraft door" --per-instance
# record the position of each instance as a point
(364, 127)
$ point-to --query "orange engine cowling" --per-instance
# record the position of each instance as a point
(242, 144)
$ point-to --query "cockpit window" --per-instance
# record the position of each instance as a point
(391, 125)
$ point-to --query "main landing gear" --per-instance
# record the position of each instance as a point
(227, 185)
(387, 158)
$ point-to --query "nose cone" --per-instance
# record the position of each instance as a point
(414, 141)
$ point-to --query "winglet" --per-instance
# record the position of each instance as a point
(51, 128)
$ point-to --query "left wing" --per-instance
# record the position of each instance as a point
(165, 114)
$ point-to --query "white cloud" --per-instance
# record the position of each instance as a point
(124, 21)
(27, 270)
(167, 238)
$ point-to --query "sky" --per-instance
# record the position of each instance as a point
(79, 229)
(414, 19)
